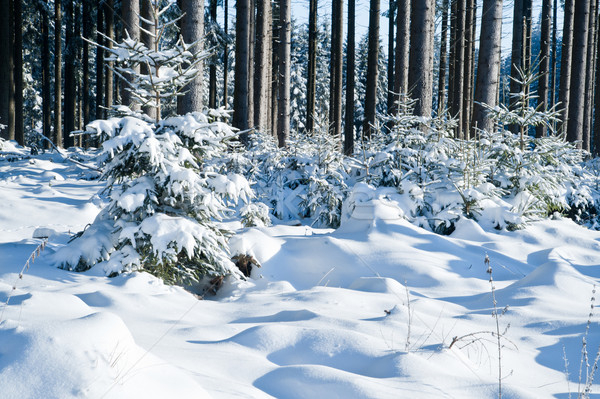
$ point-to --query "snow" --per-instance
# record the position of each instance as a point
(369, 310)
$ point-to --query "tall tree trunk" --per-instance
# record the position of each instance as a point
(87, 33)
(516, 59)
(452, 55)
(488, 65)
(578, 69)
(275, 78)
(58, 134)
(46, 78)
(147, 34)
(596, 127)
(589, 78)
(402, 48)
(225, 55)
(467, 103)
(335, 104)
(5, 70)
(18, 71)
(311, 81)
(131, 27)
(77, 21)
(390, 65)
(285, 46)
(527, 10)
(270, 68)
(261, 64)
(420, 71)
(11, 75)
(251, 43)
(100, 114)
(350, 76)
(242, 41)
(192, 31)
(372, 69)
(70, 86)
(564, 92)
(553, 54)
(443, 59)
(458, 50)
(543, 90)
(109, 23)
(212, 69)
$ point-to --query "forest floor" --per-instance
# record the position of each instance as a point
(378, 308)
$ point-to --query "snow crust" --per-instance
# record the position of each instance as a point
(365, 311)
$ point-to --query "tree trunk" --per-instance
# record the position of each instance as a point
(578, 69)
(242, 41)
(527, 9)
(402, 48)
(456, 96)
(420, 71)
(77, 21)
(192, 31)
(131, 27)
(443, 59)
(372, 70)
(261, 64)
(226, 55)
(285, 46)
(18, 71)
(99, 64)
(275, 78)
(589, 78)
(70, 85)
(564, 92)
(11, 74)
(46, 78)
(251, 43)
(212, 69)
(350, 76)
(87, 33)
(311, 81)
(553, 54)
(335, 104)
(543, 90)
(488, 65)
(109, 23)
(147, 34)
(452, 57)
(58, 134)
(390, 65)
(269, 71)
(516, 59)
(467, 102)
(596, 127)
(5, 70)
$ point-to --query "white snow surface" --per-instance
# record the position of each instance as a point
(367, 311)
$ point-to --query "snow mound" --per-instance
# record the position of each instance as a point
(377, 284)
(36, 361)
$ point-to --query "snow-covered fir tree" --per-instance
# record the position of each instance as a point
(166, 185)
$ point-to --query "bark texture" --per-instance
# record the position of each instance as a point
(488, 66)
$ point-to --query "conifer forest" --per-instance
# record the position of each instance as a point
(299, 199)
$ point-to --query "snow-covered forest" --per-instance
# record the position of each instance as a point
(218, 201)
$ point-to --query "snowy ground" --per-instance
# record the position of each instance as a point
(367, 311)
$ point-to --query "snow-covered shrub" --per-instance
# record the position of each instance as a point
(255, 214)
(307, 180)
(166, 196)
(500, 179)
